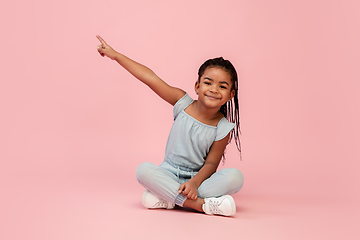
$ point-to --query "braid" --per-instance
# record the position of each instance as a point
(230, 109)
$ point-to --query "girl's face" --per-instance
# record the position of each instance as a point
(215, 87)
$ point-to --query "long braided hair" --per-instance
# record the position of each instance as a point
(230, 110)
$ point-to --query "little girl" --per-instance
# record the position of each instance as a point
(187, 177)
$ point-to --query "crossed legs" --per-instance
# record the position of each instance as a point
(165, 184)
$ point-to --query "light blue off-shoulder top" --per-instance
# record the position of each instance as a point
(190, 140)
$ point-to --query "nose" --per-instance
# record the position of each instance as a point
(214, 89)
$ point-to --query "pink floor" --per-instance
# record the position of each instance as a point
(107, 207)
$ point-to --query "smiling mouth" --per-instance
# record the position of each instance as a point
(212, 98)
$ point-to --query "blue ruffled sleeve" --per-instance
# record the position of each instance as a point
(223, 129)
(180, 105)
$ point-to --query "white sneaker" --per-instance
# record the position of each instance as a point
(149, 200)
(224, 205)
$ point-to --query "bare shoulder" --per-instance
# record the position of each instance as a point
(169, 93)
(175, 95)
(219, 116)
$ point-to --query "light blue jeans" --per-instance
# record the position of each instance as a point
(164, 181)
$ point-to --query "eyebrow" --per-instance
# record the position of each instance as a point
(224, 82)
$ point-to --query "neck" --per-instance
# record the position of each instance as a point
(207, 113)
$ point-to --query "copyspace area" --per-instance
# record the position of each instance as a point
(74, 126)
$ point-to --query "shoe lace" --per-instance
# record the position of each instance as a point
(162, 203)
(214, 206)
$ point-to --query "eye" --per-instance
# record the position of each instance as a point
(223, 87)
(207, 83)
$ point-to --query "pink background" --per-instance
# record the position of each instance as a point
(75, 126)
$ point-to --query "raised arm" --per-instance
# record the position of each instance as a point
(144, 74)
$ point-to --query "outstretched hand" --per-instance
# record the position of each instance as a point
(105, 50)
(189, 190)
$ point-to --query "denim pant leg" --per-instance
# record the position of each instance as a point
(161, 182)
(223, 182)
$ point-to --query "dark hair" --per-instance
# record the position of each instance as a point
(230, 109)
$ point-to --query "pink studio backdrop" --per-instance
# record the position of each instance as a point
(68, 115)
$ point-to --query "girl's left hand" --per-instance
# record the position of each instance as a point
(189, 190)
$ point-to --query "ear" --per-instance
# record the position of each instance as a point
(196, 87)
(232, 94)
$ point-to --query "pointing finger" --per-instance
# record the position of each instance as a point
(101, 40)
